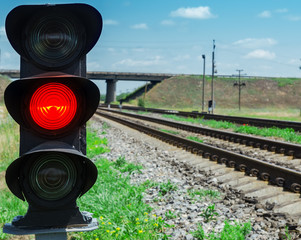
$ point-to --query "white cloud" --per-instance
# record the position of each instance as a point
(195, 13)
(94, 66)
(265, 14)
(294, 62)
(140, 26)
(110, 22)
(294, 18)
(255, 42)
(157, 60)
(2, 31)
(139, 49)
(7, 55)
(110, 49)
(181, 57)
(261, 54)
(282, 10)
(167, 23)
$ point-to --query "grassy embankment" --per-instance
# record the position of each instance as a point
(275, 98)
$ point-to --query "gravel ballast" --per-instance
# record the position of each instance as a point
(180, 209)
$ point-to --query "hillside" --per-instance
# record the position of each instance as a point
(186, 91)
(4, 81)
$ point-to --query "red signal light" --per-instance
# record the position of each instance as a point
(53, 106)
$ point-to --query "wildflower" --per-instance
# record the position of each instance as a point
(137, 223)
(108, 231)
(118, 229)
(145, 213)
(109, 223)
(154, 215)
(145, 220)
(140, 231)
(156, 224)
(137, 219)
(103, 223)
(101, 217)
(97, 239)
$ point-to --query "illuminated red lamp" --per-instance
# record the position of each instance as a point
(53, 106)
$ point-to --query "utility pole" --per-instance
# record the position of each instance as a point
(203, 89)
(240, 85)
(213, 70)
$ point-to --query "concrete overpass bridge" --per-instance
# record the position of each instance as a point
(111, 79)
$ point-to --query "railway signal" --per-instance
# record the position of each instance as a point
(51, 102)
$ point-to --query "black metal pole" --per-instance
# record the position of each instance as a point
(239, 87)
(203, 89)
(212, 86)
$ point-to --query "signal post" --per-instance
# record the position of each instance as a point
(52, 101)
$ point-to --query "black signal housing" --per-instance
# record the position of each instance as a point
(84, 20)
(52, 101)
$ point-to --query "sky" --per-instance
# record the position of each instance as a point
(261, 37)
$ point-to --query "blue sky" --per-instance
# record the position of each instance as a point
(262, 37)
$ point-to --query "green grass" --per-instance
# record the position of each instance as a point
(124, 166)
(114, 201)
(286, 134)
(209, 214)
(10, 206)
(195, 139)
(231, 231)
(282, 82)
(95, 144)
(170, 131)
(118, 205)
(203, 193)
(9, 140)
(119, 208)
(267, 113)
(167, 187)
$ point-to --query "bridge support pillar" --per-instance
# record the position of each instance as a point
(111, 91)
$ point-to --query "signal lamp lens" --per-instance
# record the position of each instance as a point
(53, 106)
(52, 176)
(54, 41)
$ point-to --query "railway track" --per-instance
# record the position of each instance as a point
(276, 175)
(288, 182)
(239, 120)
(280, 147)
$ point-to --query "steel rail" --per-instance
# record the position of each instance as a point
(259, 122)
(276, 175)
(288, 149)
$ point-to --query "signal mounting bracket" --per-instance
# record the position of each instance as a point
(55, 233)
